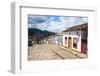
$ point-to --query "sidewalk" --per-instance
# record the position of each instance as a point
(64, 54)
(76, 53)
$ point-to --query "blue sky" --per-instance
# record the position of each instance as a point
(54, 23)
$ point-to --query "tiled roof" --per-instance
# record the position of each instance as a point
(77, 27)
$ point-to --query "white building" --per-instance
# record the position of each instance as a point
(76, 38)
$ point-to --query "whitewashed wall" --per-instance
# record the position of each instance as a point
(72, 35)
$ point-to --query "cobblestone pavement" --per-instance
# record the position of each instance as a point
(49, 52)
(42, 52)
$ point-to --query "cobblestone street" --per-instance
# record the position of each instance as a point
(49, 52)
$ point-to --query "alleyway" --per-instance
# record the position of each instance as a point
(49, 52)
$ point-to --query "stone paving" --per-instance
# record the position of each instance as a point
(42, 52)
(51, 52)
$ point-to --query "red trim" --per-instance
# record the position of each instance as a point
(84, 46)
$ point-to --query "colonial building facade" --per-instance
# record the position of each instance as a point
(76, 38)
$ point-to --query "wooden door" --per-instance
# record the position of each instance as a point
(69, 42)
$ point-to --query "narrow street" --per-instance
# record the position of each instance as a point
(49, 52)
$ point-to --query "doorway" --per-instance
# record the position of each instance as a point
(69, 42)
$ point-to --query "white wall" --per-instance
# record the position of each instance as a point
(72, 35)
(5, 42)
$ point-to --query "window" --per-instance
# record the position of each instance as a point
(75, 41)
(77, 33)
(69, 33)
(65, 40)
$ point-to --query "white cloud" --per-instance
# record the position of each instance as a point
(72, 21)
(33, 19)
(54, 25)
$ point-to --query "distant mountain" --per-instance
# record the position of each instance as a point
(33, 31)
(37, 33)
